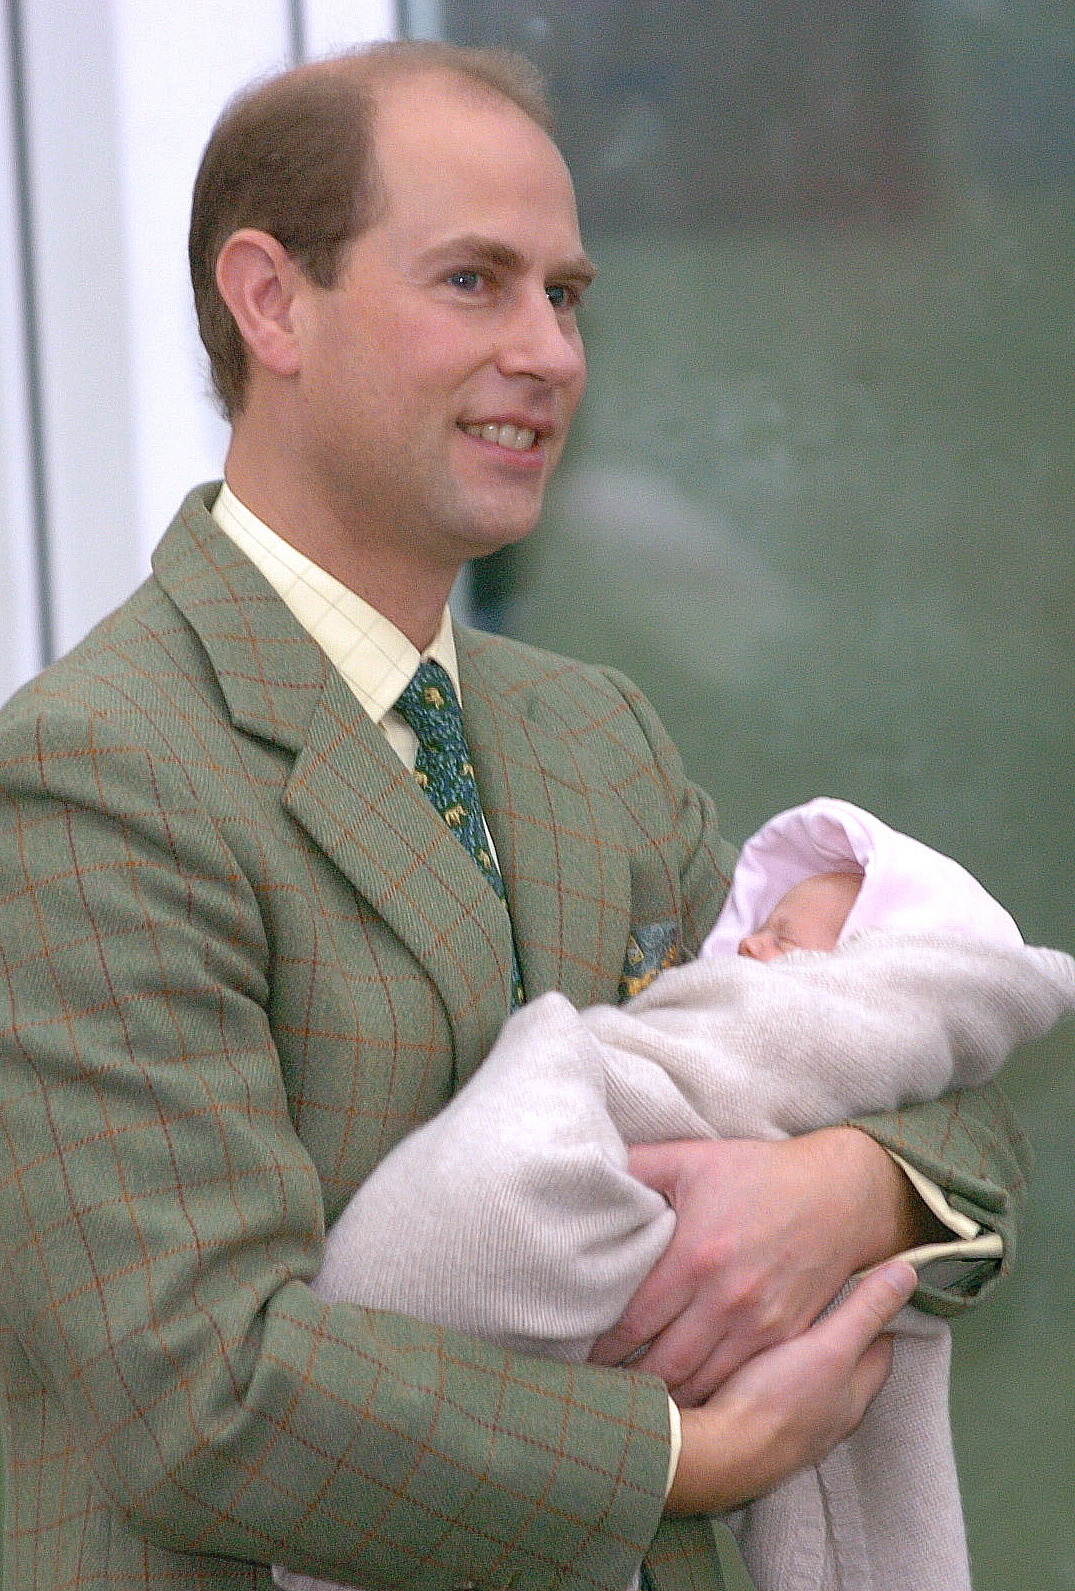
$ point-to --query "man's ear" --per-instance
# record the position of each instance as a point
(257, 279)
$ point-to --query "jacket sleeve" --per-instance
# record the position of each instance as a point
(969, 1145)
(158, 1215)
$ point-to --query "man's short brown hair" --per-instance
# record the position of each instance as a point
(294, 156)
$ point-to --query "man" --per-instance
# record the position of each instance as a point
(243, 954)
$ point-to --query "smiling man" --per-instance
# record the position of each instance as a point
(245, 951)
(426, 393)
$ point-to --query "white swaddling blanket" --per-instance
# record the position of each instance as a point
(511, 1214)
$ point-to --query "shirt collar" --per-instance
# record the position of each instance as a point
(374, 657)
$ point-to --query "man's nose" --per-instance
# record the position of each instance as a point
(543, 342)
(761, 945)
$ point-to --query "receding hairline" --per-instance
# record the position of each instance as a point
(372, 70)
(369, 73)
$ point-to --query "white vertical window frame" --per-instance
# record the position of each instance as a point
(175, 71)
(24, 633)
(119, 98)
(423, 19)
(78, 286)
(330, 25)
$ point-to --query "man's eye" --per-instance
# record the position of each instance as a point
(561, 296)
(467, 281)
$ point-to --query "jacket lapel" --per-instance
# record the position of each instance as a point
(346, 787)
(555, 827)
(365, 811)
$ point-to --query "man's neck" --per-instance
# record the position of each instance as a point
(407, 591)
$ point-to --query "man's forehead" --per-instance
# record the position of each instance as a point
(444, 86)
(456, 160)
(431, 112)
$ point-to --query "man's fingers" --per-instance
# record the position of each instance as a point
(876, 1300)
(791, 1404)
(724, 1291)
(857, 1324)
(653, 1308)
(871, 1373)
(672, 1351)
(680, 1355)
(656, 1303)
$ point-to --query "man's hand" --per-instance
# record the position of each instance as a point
(791, 1405)
(766, 1235)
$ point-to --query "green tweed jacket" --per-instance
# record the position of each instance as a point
(240, 958)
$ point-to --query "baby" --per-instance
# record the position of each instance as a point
(524, 1180)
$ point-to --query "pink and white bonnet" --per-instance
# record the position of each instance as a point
(906, 887)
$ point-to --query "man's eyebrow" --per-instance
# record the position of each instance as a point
(581, 269)
(488, 251)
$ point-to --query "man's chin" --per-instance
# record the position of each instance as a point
(484, 537)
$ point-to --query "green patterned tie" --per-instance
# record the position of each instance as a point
(445, 772)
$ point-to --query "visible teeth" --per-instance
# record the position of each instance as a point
(518, 438)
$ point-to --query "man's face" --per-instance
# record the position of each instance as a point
(440, 373)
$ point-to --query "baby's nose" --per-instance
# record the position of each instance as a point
(760, 945)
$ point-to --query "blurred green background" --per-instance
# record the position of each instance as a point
(821, 505)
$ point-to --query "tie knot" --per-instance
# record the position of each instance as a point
(429, 703)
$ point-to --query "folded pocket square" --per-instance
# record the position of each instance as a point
(650, 949)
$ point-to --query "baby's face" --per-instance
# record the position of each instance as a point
(809, 917)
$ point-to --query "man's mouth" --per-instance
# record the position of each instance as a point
(519, 438)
